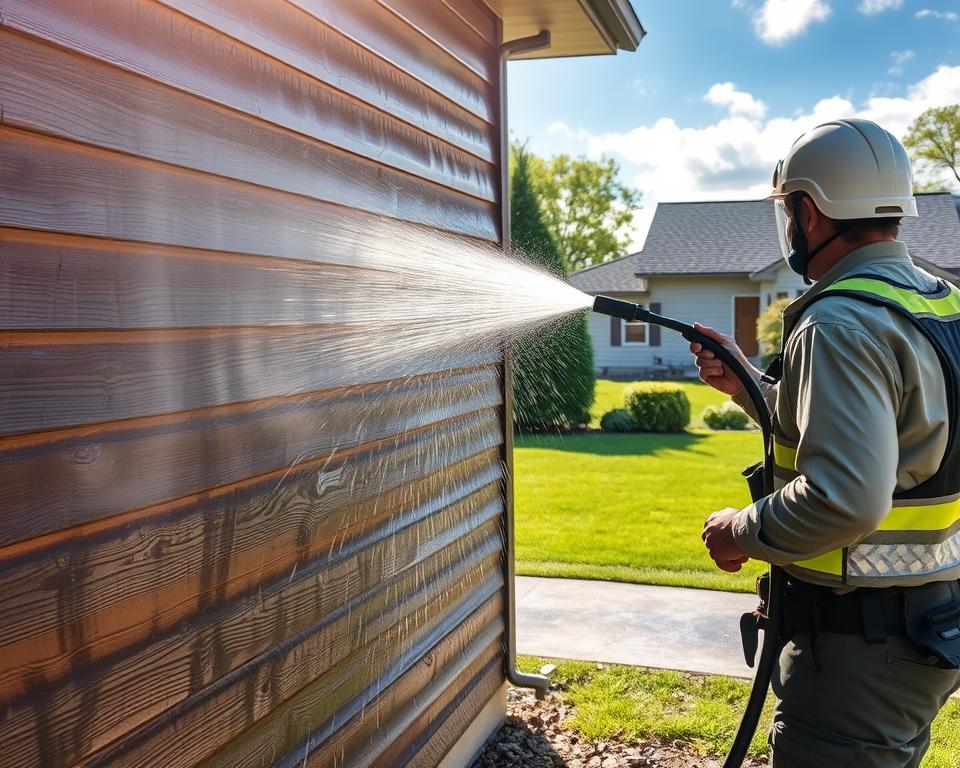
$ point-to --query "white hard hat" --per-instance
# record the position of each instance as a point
(852, 169)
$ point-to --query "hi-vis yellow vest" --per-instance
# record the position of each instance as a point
(919, 540)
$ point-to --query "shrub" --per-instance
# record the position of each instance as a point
(770, 329)
(657, 406)
(726, 416)
(553, 384)
(618, 420)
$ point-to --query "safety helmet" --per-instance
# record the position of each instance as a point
(852, 170)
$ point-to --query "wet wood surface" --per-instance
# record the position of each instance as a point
(225, 537)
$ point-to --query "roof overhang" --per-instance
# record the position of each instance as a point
(577, 27)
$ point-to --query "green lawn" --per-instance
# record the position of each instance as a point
(630, 507)
(701, 712)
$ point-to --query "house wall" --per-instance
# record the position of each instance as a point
(692, 298)
(202, 559)
(782, 280)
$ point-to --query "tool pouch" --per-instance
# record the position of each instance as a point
(932, 615)
(754, 476)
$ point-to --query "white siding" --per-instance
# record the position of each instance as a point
(708, 300)
(784, 280)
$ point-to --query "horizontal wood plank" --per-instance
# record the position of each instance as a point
(388, 642)
(48, 184)
(478, 16)
(368, 713)
(404, 703)
(166, 46)
(440, 25)
(62, 479)
(289, 34)
(366, 22)
(428, 739)
(118, 588)
(49, 90)
(337, 606)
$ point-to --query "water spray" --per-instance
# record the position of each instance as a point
(761, 484)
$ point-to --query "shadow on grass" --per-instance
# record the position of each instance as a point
(607, 444)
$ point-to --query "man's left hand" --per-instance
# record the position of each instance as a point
(718, 536)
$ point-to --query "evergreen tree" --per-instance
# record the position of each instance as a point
(553, 365)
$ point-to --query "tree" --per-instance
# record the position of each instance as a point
(585, 207)
(933, 140)
(553, 365)
(770, 328)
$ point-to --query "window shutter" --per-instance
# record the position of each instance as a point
(653, 331)
(614, 331)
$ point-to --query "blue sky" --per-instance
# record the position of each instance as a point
(718, 89)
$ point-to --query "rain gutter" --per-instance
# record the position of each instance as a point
(517, 678)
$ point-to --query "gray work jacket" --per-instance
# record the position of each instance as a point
(864, 399)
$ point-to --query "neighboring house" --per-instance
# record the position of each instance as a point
(214, 547)
(719, 263)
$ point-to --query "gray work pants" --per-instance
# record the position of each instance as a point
(869, 706)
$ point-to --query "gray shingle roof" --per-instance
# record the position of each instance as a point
(740, 237)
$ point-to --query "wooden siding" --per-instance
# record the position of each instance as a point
(204, 560)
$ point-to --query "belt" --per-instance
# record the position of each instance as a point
(871, 613)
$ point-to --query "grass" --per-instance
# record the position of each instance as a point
(630, 507)
(702, 712)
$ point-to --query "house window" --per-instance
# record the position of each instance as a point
(800, 292)
(782, 295)
(634, 332)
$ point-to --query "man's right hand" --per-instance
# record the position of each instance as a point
(712, 370)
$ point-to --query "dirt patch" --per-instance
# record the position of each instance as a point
(533, 736)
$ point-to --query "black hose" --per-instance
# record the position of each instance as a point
(770, 649)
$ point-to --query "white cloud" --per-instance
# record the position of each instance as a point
(736, 102)
(734, 157)
(779, 20)
(948, 16)
(560, 128)
(899, 58)
(873, 7)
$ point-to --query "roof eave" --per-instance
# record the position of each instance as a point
(621, 22)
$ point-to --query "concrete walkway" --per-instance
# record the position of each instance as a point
(688, 629)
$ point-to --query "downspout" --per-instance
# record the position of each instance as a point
(520, 679)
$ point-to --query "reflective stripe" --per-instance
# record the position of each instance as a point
(922, 517)
(913, 302)
(784, 456)
(888, 561)
(831, 562)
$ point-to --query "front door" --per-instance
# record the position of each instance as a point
(746, 310)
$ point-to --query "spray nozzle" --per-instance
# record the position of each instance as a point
(618, 308)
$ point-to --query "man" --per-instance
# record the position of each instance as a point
(865, 519)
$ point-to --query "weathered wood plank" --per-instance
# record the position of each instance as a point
(125, 585)
(58, 724)
(457, 713)
(478, 16)
(401, 705)
(47, 184)
(366, 22)
(323, 52)
(154, 41)
(439, 24)
(51, 381)
(56, 480)
(318, 711)
(50, 90)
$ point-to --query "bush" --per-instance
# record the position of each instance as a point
(553, 384)
(618, 420)
(726, 416)
(770, 329)
(657, 406)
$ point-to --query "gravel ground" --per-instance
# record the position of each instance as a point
(533, 736)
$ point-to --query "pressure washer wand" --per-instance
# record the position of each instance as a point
(770, 649)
